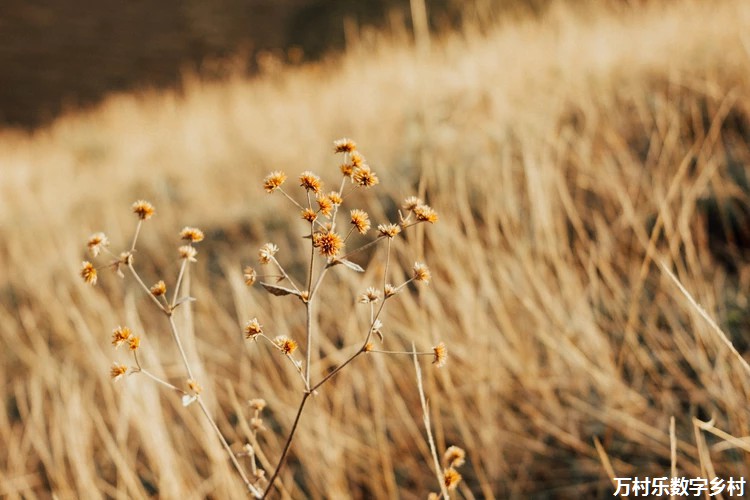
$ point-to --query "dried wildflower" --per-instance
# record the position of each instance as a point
(266, 253)
(389, 230)
(325, 205)
(117, 371)
(451, 478)
(411, 203)
(360, 220)
(257, 404)
(194, 386)
(440, 355)
(371, 295)
(250, 275)
(257, 424)
(285, 344)
(120, 335)
(88, 272)
(310, 181)
(344, 145)
(159, 289)
(377, 328)
(191, 234)
(134, 343)
(143, 209)
(356, 159)
(309, 214)
(273, 181)
(389, 290)
(188, 252)
(328, 244)
(420, 272)
(454, 457)
(347, 169)
(364, 177)
(368, 347)
(126, 258)
(253, 328)
(96, 242)
(425, 214)
(335, 198)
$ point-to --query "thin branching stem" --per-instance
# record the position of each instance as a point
(146, 289)
(176, 293)
(135, 235)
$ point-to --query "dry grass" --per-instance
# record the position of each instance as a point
(567, 158)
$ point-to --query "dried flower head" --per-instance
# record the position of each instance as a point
(364, 177)
(371, 295)
(360, 220)
(310, 181)
(134, 343)
(191, 234)
(285, 344)
(253, 328)
(347, 169)
(389, 230)
(411, 203)
(451, 478)
(440, 355)
(420, 272)
(425, 214)
(257, 404)
(368, 347)
(159, 289)
(194, 386)
(266, 253)
(250, 275)
(344, 145)
(454, 457)
(125, 258)
(257, 424)
(117, 371)
(96, 243)
(188, 252)
(88, 272)
(273, 181)
(356, 159)
(143, 209)
(335, 198)
(328, 243)
(389, 290)
(309, 215)
(325, 205)
(120, 335)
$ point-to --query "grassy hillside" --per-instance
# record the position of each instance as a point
(568, 158)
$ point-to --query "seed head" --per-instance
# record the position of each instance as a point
(159, 289)
(191, 234)
(335, 198)
(250, 275)
(347, 169)
(96, 243)
(88, 272)
(344, 145)
(357, 159)
(257, 404)
(143, 209)
(188, 252)
(440, 355)
(328, 243)
(411, 203)
(371, 295)
(309, 214)
(420, 272)
(310, 181)
(425, 214)
(117, 371)
(325, 205)
(134, 343)
(360, 220)
(389, 290)
(285, 344)
(451, 478)
(454, 457)
(120, 335)
(273, 181)
(253, 328)
(266, 252)
(389, 230)
(364, 177)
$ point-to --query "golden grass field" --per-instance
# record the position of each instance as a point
(571, 159)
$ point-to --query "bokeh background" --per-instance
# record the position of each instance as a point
(574, 151)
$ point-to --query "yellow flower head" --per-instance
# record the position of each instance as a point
(309, 215)
(454, 457)
(120, 335)
(328, 243)
(420, 272)
(335, 198)
(253, 328)
(134, 343)
(188, 252)
(285, 344)
(266, 253)
(88, 272)
(440, 355)
(310, 181)
(344, 145)
(425, 214)
(364, 177)
(159, 289)
(96, 243)
(325, 205)
(411, 203)
(117, 371)
(389, 230)
(191, 234)
(360, 220)
(273, 181)
(143, 209)
(250, 275)
(451, 478)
